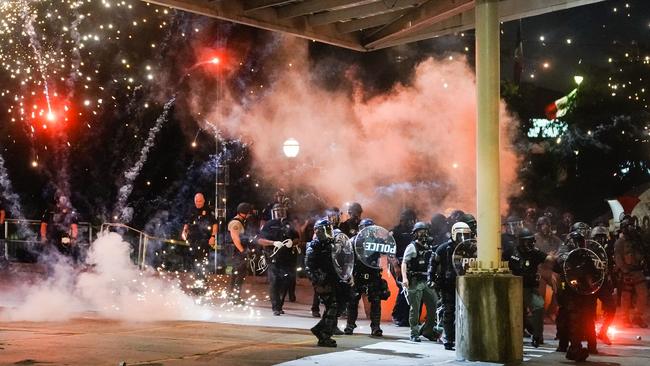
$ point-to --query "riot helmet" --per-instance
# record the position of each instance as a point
(470, 220)
(278, 212)
(460, 232)
(455, 216)
(525, 240)
(365, 223)
(323, 229)
(513, 225)
(420, 231)
(439, 223)
(600, 234)
(582, 228)
(407, 217)
(354, 209)
(576, 239)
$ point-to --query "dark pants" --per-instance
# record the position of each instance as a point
(239, 270)
(575, 318)
(315, 303)
(372, 289)
(534, 304)
(449, 314)
(325, 327)
(608, 300)
(401, 309)
(562, 320)
(279, 281)
(343, 293)
(291, 289)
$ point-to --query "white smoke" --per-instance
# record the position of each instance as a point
(112, 286)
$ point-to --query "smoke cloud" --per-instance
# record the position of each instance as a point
(412, 146)
(112, 286)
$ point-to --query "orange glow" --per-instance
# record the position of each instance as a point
(612, 331)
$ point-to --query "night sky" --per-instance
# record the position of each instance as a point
(83, 83)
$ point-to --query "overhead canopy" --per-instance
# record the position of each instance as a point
(363, 25)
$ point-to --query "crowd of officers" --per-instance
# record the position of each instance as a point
(425, 274)
(423, 268)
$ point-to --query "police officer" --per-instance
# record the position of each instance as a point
(629, 257)
(605, 294)
(403, 234)
(415, 274)
(367, 281)
(240, 241)
(278, 238)
(548, 243)
(200, 231)
(442, 272)
(334, 216)
(350, 227)
(574, 314)
(60, 230)
(470, 220)
(280, 197)
(320, 269)
(509, 236)
(524, 262)
(438, 229)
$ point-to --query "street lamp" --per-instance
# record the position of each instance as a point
(291, 148)
(578, 79)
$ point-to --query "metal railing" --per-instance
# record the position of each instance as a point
(22, 242)
(142, 238)
(15, 239)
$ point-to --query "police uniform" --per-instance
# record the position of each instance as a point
(200, 222)
(320, 269)
(367, 281)
(282, 265)
(444, 275)
(524, 264)
(59, 231)
(575, 315)
(417, 257)
(350, 228)
(628, 254)
(239, 259)
(403, 237)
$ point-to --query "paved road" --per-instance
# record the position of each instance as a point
(250, 340)
(250, 336)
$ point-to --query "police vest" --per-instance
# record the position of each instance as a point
(243, 237)
(419, 265)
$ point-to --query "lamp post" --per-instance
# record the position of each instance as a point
(291, 147)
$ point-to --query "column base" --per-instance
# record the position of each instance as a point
(489, 318)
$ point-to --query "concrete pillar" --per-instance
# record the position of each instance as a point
(487, 133)
(489, 304)
(489, 321)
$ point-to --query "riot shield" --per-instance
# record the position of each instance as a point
(373, 242)
(464, 255)
(584, 271)
(598, 249)
(343, 256)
